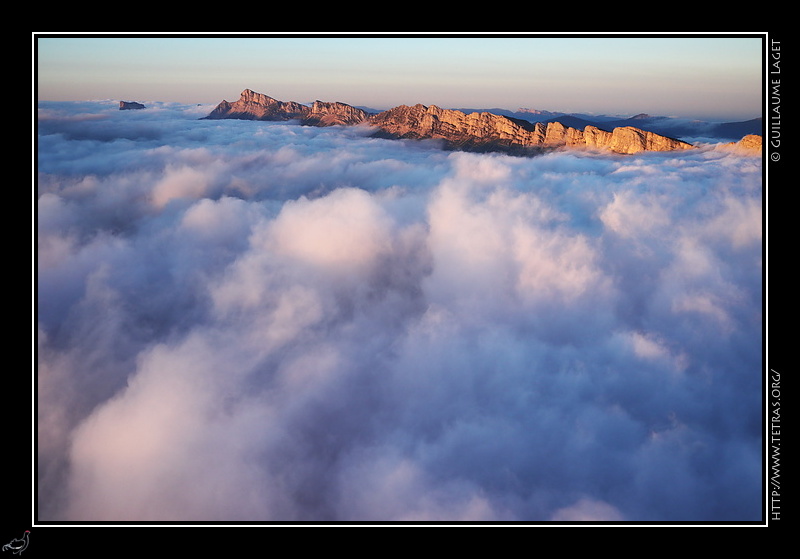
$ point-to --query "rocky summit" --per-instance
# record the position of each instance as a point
(257, 106)
(478, 131)
(749, 144)
(130, 106)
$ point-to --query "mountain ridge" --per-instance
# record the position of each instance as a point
(676, 127)
(474, 131)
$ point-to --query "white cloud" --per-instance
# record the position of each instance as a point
(740, 222)
(255, 321)
(167, 447)
(343, 231)
(588, 510)
(183, 182)
(376, 483)
(632, 215)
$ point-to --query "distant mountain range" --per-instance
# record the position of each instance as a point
(468, 129)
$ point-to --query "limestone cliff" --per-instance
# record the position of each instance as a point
(257, 106)
(491, 131)
(459, 130)
(331, 114)
(751, 142)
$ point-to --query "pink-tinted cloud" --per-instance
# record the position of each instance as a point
(255, 321)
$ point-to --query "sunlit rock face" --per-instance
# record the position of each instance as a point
(460, 130)
(474, 131)
(257, 106)
(331, 114)
(751, 142)
(487, 129)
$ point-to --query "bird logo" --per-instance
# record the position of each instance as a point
(17, 545)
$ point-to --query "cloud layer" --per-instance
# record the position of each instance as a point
(243, 321)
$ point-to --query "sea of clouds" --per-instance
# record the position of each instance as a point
(250, 321)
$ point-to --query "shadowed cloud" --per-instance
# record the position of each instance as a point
(264, 322)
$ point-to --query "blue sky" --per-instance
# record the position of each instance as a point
(712, 77)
